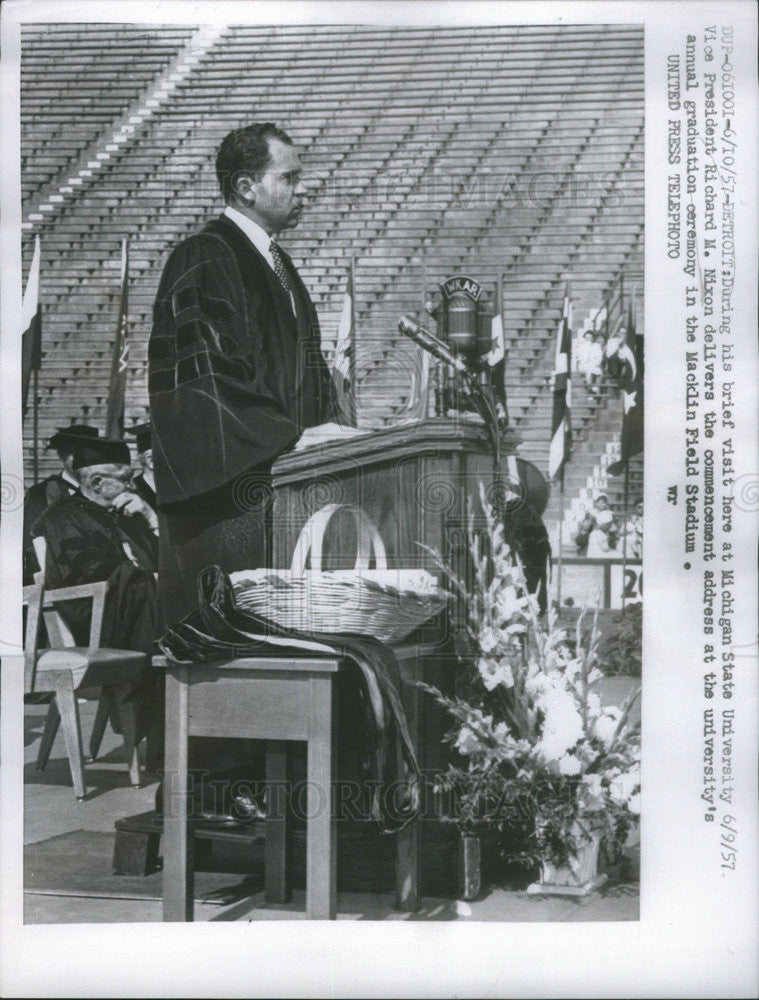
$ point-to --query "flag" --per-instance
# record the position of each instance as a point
(31, 324)
(343, 362)
(561, 427)
(496, 356)
(630, 374)
(114, 423)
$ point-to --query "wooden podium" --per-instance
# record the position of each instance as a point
(413, 481)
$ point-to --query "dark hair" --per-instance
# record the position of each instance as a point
(245, 151)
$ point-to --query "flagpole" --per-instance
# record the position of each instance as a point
(624, 532)
(570, 334)
(424, 378)
(35, 426)
(354, 345)
(499, 305)
(114, 422)
(561, 428)
(626, 493)
(560, 538)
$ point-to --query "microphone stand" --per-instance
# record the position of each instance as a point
(483, 400)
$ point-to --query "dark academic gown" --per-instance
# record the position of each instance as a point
(234, 379)
(38, 498)
(85, 544)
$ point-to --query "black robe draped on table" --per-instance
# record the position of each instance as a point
(375, 747)
(234, 378)
(87, 543)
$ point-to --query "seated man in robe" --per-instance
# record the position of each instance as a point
(54, 488)
(105, 532)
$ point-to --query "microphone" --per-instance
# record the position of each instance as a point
(422, 336)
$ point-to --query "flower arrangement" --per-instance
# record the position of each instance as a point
(541, 754)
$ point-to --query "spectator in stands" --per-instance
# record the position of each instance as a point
(104, 532)
(582, 534)
(633, 539)
(236, 371)
(144, 483)
(602, 541)
(589, 360)
(590, 521)
(57, 487)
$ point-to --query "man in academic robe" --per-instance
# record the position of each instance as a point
(104, 532)
(107, 532)
(54, 488)
(236, 371)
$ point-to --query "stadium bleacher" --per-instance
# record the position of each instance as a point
(493, 150)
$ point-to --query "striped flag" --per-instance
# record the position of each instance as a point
(343, 362)
(31, 324)
(561, 425)
(630, 374)
(496, 356)
(114, 423)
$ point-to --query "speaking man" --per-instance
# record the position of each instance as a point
(236, 371)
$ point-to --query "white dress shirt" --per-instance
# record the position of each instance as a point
(257, 236)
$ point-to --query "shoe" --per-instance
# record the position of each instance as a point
(248, 809)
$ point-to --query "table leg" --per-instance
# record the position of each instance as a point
(407, 897)
(407, 850)
(321, 832)
(178, 862)
(277, 880)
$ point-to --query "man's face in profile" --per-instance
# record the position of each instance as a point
(279, 190)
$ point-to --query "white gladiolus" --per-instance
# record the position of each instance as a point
(562, 727)
(621, 787)
(508, 603)
(488, 639)
(569, 764)
(605, 725)
(466, 741)
(494, 672)
(593, 783)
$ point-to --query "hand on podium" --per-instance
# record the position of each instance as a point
(322, 433)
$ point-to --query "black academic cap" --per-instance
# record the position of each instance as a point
(101, 451)
(143, 434)
(67, 437)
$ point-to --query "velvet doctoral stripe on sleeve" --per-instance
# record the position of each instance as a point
(221, 368)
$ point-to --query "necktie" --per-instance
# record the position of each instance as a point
(279, 267)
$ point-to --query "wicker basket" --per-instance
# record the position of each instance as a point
(385, 603)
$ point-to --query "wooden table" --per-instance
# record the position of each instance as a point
(273, 698)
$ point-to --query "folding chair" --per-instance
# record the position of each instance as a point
(70, 672)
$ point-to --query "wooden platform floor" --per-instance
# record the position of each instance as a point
(52, 811)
